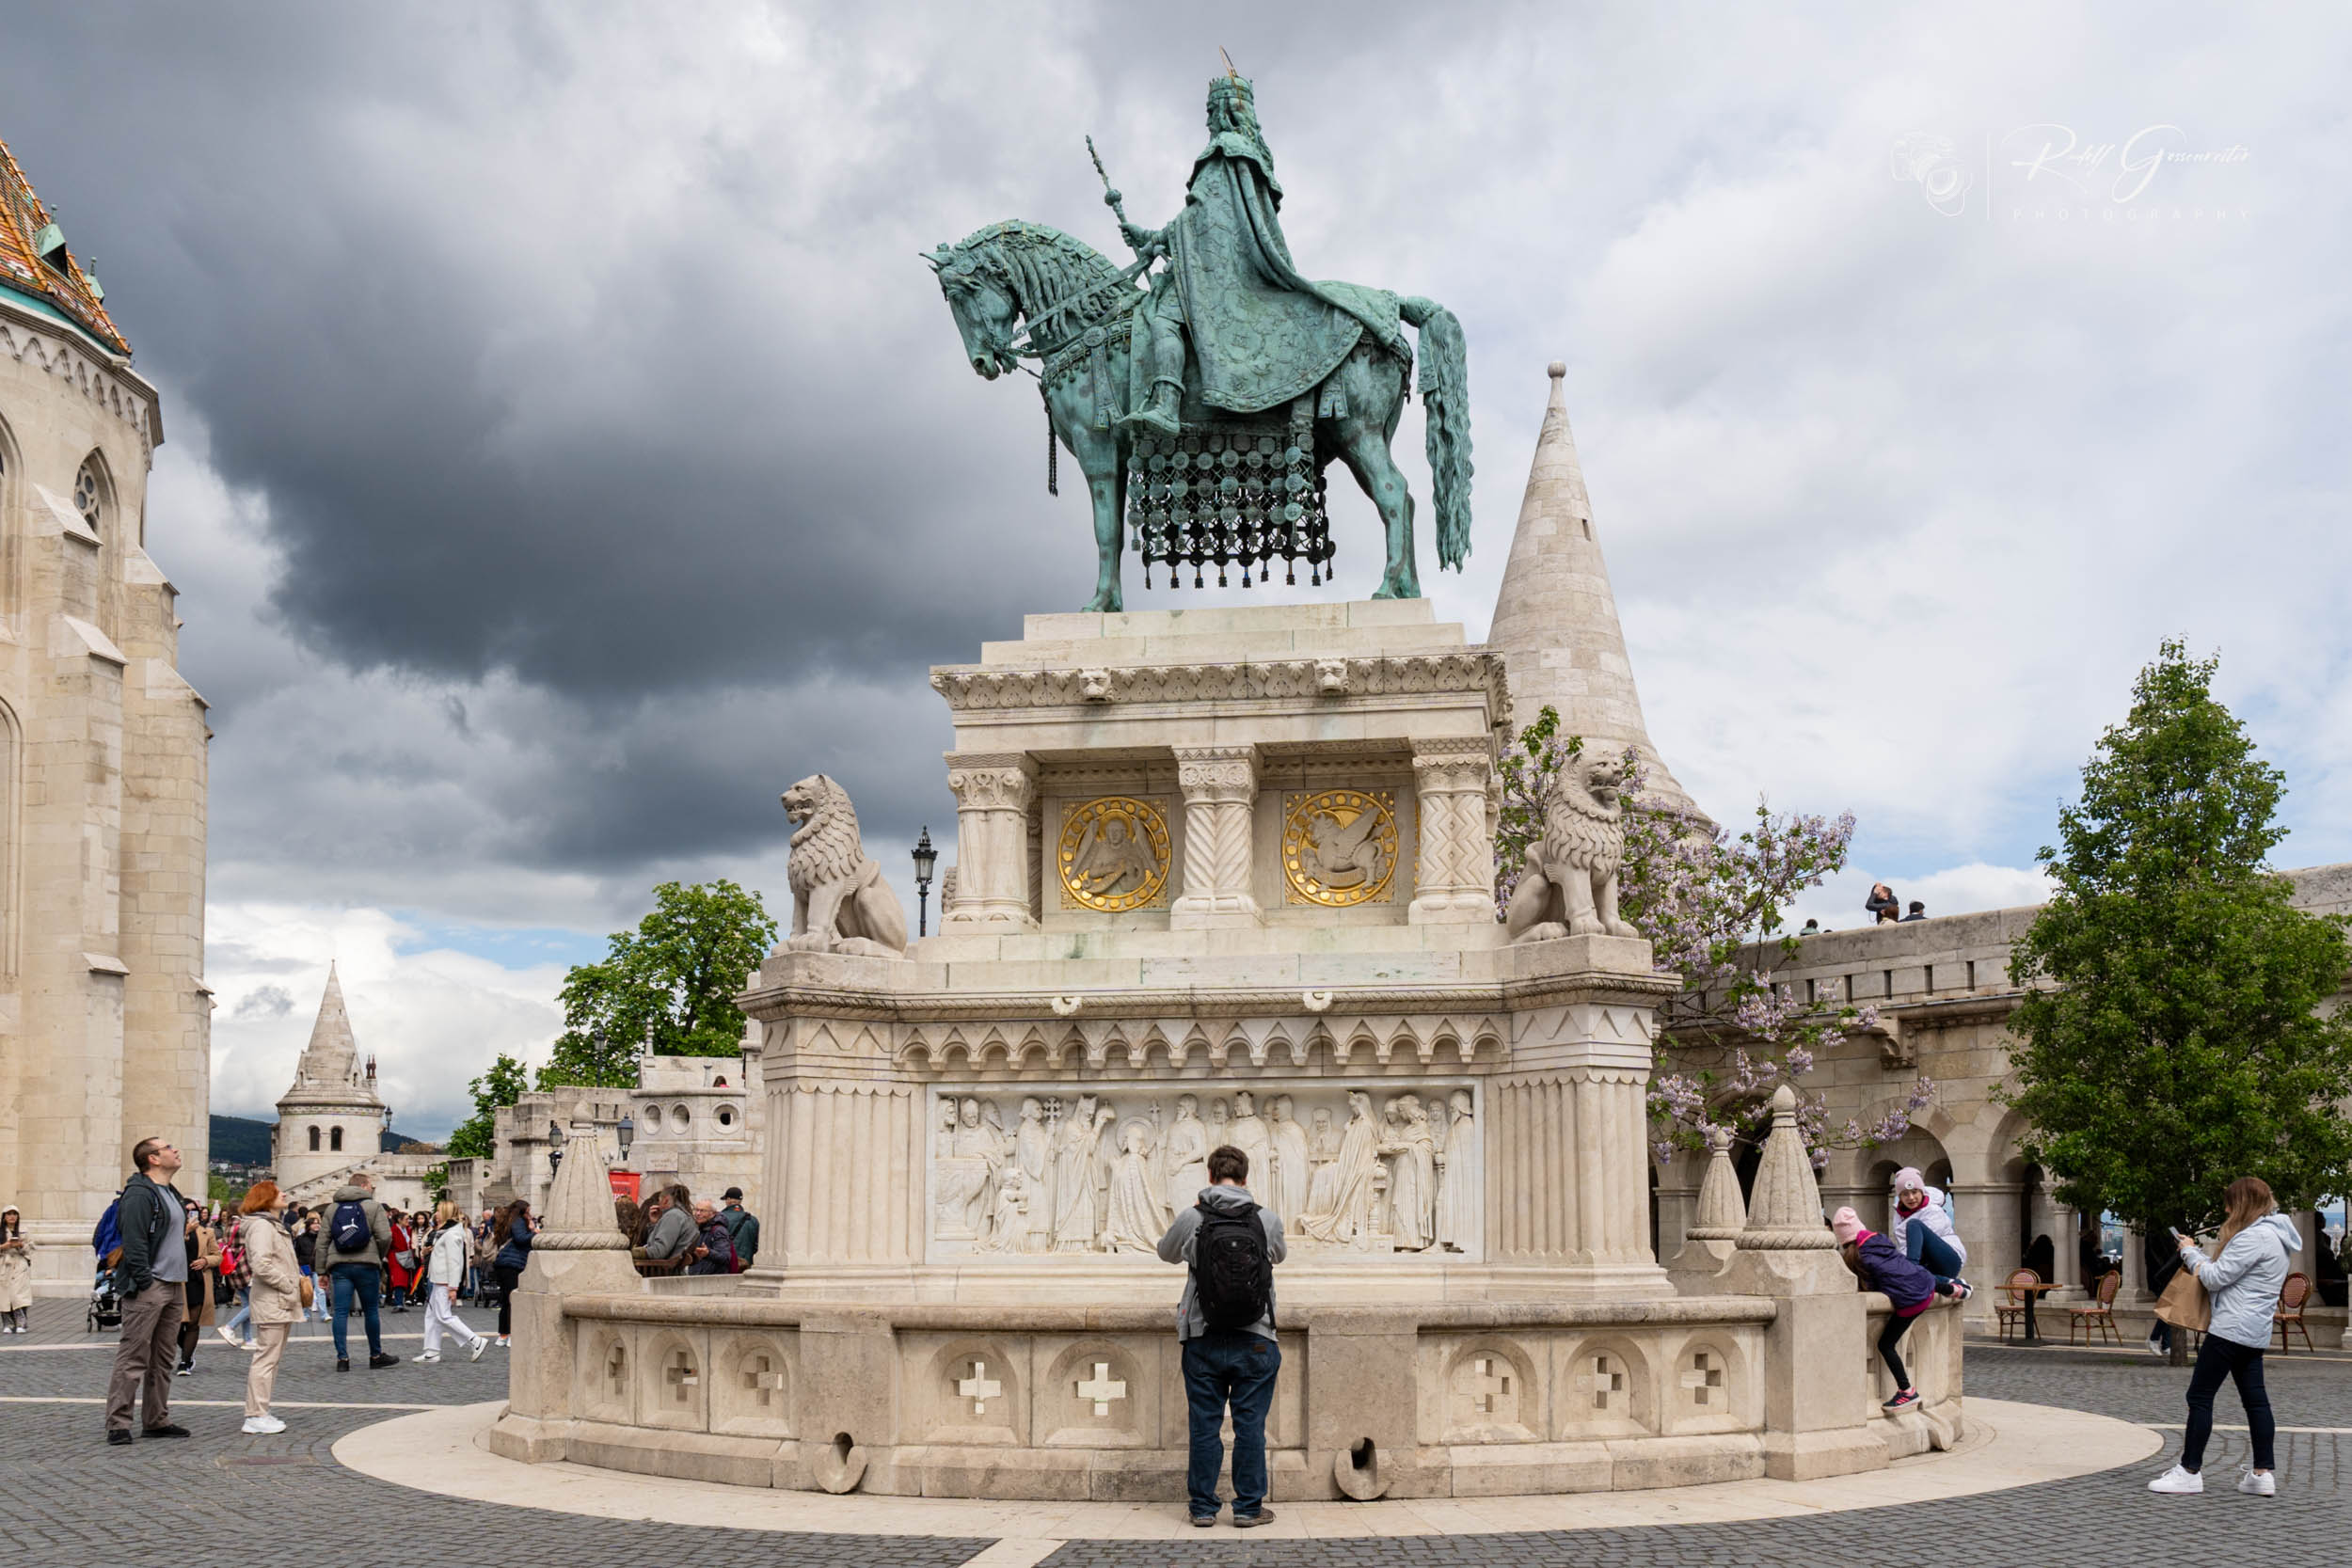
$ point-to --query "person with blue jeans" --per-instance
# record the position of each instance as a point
(1921, 1224)
(1234, 1364)
(356, 1273)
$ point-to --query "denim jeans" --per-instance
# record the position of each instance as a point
(1932, 1252)
(242, 1317)
(2219, 1358)
(1239, 1367)
(367, 1281)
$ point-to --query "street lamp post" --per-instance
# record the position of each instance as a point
(924, 858)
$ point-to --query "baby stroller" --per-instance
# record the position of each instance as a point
(106, 1305)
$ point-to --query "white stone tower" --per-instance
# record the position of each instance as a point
(329, 1122)
(105, 1023)
(1555, 618)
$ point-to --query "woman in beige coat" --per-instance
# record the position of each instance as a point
(277, 1300)
(16, 1272)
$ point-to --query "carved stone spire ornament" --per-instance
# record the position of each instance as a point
(1555, 618)
(1723, 1214)
(1785, 1204)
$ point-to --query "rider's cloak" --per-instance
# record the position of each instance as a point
(1261, 333)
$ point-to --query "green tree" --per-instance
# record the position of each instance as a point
(2173, 1037)
(676, 975)
(220, 1190)
(501, 1085)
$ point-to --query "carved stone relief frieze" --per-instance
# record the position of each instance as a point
(1073, 1171)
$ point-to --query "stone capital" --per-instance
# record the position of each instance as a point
(990, 780)
(1217, 773)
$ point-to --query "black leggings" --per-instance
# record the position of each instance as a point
(509, 1279)
(1896, 1326)
(2218, 1358)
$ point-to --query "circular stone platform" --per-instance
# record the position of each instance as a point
(2010, 1445)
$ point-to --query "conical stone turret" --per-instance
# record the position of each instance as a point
(1555, 618)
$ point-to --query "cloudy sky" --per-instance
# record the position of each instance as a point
(566, 448)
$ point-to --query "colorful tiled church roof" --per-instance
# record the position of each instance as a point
(36, 265)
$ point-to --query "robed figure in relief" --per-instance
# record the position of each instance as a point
(1348, 1220)
(1187, 1155)
(1136, 1218)
(1457, 1183)
(1412, 1175)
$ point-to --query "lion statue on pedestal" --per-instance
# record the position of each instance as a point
(1569, 887)
(840, 903)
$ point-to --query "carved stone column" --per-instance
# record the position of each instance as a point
(1220, 786)
(993, 792)
(1455, 877)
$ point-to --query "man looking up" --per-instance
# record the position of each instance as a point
(1230, 1246)
(152, 1278)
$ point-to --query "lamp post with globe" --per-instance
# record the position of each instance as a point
(924, 858)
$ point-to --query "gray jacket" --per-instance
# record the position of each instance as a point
(1176, 1247)
(2245, 1279)
(672, 1234)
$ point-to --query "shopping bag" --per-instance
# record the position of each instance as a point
(2185, 1303)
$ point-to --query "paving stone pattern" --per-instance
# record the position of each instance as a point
(66, 1492)
(67, 1500)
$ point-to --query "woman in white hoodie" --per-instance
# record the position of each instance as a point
(2243, 1277)
(444, 1270)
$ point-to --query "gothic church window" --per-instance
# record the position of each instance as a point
(88, 498)
(314, 1140)
(335, 1140)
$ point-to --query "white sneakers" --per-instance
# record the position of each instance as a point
(262, 1426)
(231, 1335)
(2177, 1483)
(428, 1355)
(505, 1340)
(481, 1343)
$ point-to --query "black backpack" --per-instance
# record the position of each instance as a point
(348, 1229)
(1233, 1278)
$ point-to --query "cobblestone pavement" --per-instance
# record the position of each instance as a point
(67, 1499)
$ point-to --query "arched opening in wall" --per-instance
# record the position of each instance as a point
(335, 1140)
(1744, 1164)
(1653, 1206)
(2327, 1270)
(314, 1140)
(2037, 1238)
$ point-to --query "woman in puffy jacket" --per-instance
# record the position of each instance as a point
(276, 1302)
(1920, 1222)
(2243, 1278)
(446, 1260)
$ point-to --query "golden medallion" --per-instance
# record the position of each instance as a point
(1339, 847)
(1113, 854)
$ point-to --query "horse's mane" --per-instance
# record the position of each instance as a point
(1042, 265)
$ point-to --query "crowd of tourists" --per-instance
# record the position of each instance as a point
(174, 1264)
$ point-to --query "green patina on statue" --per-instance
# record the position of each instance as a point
(1228, 355)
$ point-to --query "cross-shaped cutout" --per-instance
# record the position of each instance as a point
(1704, 1374)
(980, 1388)
(761, 1379)
(680, 1374)
(616, 1371)
(1604, 1380)
(1101, 1389)
(1490, 1385)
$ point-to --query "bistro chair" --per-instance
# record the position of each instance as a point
(2010, 1313)
(2288, 1315)
(2096, 1316)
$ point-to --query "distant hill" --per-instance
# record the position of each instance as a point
(241, 1140)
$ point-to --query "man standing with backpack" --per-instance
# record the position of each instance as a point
(152, 1276)
(1228, 1245)
(350, 1251)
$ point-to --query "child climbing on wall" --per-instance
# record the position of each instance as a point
(1882, 1266)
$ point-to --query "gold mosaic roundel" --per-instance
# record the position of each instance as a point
(1339, 847)
(1114, 853)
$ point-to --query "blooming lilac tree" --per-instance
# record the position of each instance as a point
(1711, 906)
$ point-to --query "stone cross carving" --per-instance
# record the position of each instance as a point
(1704, 1374)
(1605, 1380)
(680, 1373)
(980, 1388)
(616, 1369)
(1490, 1385)
(1102, 1388)
(763, 1379)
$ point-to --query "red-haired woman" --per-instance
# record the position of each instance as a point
(276, 1302)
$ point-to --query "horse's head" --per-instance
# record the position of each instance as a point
(981, 298)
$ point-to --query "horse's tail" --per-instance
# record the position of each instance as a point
(1445, 405)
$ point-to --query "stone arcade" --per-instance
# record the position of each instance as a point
(1225, 875)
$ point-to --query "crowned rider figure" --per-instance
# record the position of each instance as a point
(1261, 333)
